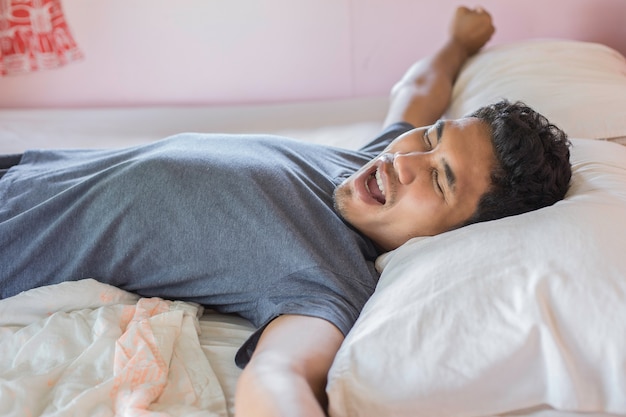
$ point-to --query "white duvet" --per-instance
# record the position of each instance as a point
(89, 349)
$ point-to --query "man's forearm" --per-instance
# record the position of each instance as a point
(271, 388)
(424, 92)
(442, 67)
(425, 89)
(286, 375)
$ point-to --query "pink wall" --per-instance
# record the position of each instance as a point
(159, 52)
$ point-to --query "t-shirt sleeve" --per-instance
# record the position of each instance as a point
(378, 144)
(247, 349)
(335, 298)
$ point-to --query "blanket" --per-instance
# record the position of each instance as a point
(88, 349)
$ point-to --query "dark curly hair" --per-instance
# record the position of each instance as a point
(532, 169)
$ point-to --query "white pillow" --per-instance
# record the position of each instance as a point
(579, 86)
(522, 312)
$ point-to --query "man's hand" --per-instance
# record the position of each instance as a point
(471, 28)
(287, 373)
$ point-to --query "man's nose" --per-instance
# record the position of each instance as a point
(409, 165)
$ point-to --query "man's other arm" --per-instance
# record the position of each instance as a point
(424, 92)
(286, 375)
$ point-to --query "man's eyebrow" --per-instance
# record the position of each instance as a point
(450, 177)
(439, 128)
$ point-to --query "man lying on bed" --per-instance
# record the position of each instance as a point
(281, 232)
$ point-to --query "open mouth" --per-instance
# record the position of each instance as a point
(375, 187)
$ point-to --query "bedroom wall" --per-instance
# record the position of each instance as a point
(198, 52)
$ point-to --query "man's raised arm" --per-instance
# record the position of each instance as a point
(424, 92)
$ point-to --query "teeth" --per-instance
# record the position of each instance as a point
(379, 181)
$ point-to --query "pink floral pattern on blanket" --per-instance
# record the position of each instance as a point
(106, 353)
(139, 368)
(34, 35)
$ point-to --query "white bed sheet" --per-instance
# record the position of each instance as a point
(346, 123)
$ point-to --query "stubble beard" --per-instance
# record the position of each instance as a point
(341, 194)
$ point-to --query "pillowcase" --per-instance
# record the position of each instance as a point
(579, 86)
(515, 314)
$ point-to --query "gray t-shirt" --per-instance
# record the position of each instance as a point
(241, 224)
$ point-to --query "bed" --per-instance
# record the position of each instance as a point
(524, 316)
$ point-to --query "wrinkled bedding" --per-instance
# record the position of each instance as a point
(89, 349)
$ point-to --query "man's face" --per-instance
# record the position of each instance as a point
(426, 182)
